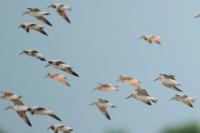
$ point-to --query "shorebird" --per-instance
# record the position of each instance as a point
(38, 14)
(61, 9)
(142, 95)
(169, 81)
(184, 99)
(58, 77)
(7, 95)
(126, 79)
(21, 110)
(106, 87)
(60, 127)
(62, 66)
(33, 53)
(43, 111)
(152, 39)
(31, 26)
(102, 105)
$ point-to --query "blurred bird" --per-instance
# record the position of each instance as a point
(169, 81)
(21, 110)
(33, 53)
(38, 14)
(184, 99)
(152, 38)
(43, 111)
(31, 26)
(58, 77)
(102, 105)
(142, 95)
(106, 87)
(61, 9)
(126, 79)
(60, 127)
(62, 66)
(7, 95)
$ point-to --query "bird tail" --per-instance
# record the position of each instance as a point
(176, 88)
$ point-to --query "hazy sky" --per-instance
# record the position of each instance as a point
(100, 44)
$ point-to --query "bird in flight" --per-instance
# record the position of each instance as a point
(126, 79)
(152, 38)
(142, 95)
(60, 127)
(102, 105)
(38, 14)
(31, 26)
(169, 81)
(33, 53)
(106, 87)
(184, 99)
(62, 10)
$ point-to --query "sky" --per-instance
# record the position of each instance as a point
(101, 43)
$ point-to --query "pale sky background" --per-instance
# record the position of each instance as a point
(100, 44)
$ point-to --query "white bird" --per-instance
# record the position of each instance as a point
(152, 38)
(43, 111)
(31, 26)
(169, 81)
(62, 66)
(142, 95)
(38, 14)
(58, 77)
(33, 53)
(126, 79)
(62, 10)
(106, 87)
(102, 105)
(21, 110)
(184, 99)
(60, 127)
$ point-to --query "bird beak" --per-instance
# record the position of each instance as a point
(47, 65)
(94, 89)
(7, 108)
(156, 79)
(92, 104)
(25, 13)
(49, 6)
(129, 97)
(21, 53)
(19, 26)
(172, 99)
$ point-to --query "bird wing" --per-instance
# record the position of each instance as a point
(17, 102)
(41, 31)
(142, 92)
(64, 15)
(105, 112)
(43, 19)
(69, 70)
(23, 115)
(54, 116)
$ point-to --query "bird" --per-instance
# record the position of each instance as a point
(106, 87)
(7, 95)
(126, 79)
(43, 111)
(142, 95)
(31, 26)
(62, 10)
(152, 38)
(34, 53)
(60, 127)
(38, 14)
(21, 110)
(58, 77)
(184, 99)
(102, 105)
(62, 66)
(169, 81)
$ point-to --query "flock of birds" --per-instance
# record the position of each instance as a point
(141, 94)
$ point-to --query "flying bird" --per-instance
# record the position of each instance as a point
(62, 10)
(143, 96)
(60, 127)
(33, 53)
(62, 66)
(169, 81)
(21, 110)
(31, 26)
(10, 96)
(43, 111)
(126, 79)
(152, 38)
(38, 14)
(184, 99)
(106, 87)
(58, 77)
(102, 105)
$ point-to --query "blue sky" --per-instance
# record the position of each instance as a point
(100, 44)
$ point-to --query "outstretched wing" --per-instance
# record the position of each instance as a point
(24, 117)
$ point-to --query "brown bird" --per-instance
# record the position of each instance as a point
(152, 38)
(184, 99)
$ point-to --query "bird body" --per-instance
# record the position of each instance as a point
(184, 99)
(126, 79)
(58, 77)
(33, 53)
(60, 127)
(106, 87)
(152, 38)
